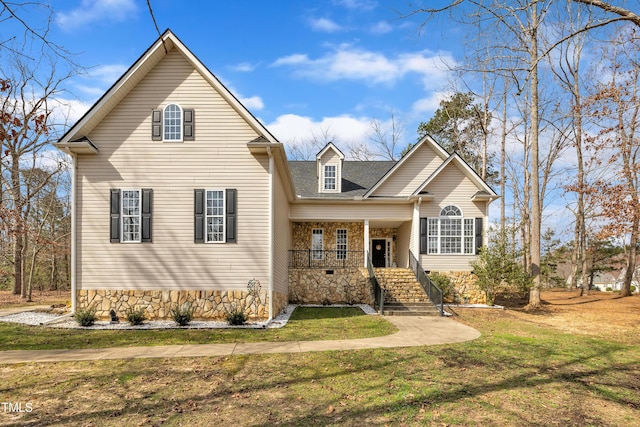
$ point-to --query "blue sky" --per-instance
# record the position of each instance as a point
(302, 67)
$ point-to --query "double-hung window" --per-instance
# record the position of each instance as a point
(215, 219)
(317, 243)
(341, 244)
(215, 216)
(330, 177)
(131, 215)
(450, 233)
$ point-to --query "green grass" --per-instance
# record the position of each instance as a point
(518, 373)
(305, 324)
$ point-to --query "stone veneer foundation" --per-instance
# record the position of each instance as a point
(467, 291)
(318, 286)
(210, 305)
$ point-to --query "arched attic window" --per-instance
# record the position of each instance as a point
(172, 116)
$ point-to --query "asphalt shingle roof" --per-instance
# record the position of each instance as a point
(357, 178)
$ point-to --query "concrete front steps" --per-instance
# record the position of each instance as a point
(403, 295)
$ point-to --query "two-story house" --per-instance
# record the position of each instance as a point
(180, 195)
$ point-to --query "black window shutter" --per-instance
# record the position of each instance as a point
(198, 210)
(114, 224)
(188, 127)
(147, 209)
(478, 235)
(156, 125)
(231, 213)
(424, 246)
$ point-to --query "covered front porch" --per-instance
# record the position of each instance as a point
(332, 244)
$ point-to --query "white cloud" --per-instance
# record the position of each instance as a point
(348, 63)
(325, 25)
(382, 27)
(66, 112)
(357, 4)
(96, 10)
(252, 103)
(430, 103)
(244, 67)
(291, 128)
(107, 73)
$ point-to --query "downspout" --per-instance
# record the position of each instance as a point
(74, 191)
(271, 240)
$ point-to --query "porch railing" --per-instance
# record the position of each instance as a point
(378, 291)
(434, 292)
(309, 258)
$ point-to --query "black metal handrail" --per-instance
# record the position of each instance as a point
(378, 291)
(434, 292)
(309, 258)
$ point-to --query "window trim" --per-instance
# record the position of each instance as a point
(223, 215)
(180, 126)
(122, 215)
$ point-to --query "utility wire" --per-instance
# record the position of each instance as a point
(156, 25)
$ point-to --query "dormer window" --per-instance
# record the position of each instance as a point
(172, 123)
(329, 169)
(330, 177)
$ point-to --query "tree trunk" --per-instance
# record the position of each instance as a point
(631, 260)
(536, 206)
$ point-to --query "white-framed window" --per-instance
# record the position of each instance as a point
(317, 243)
(131, 216)
(215, 216)
(172, 123)
(341, 244)
(450, 233)
(330, 177)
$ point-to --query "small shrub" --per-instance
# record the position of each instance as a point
(136, 316)
(445, 284)
(236, 317)
(609, 289)
(633, 289)
(85, 316)
(182, 316)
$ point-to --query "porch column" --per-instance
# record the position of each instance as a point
(415, 228)
(366, 241)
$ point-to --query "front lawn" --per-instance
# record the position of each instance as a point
(306, 323)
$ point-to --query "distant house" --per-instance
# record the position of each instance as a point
(180, 195)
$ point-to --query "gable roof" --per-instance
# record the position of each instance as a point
(158, 50)
(330, 146)
(469, 172)
(441, 152)
(357, 178)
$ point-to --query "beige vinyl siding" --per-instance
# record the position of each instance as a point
(282, 236)
(451, 187)
(217, 159)
(356, 211)
(415, 170)
(330, 158)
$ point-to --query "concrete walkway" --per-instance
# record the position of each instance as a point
(412, 331)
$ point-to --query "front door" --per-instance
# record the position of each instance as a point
(379, 252)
